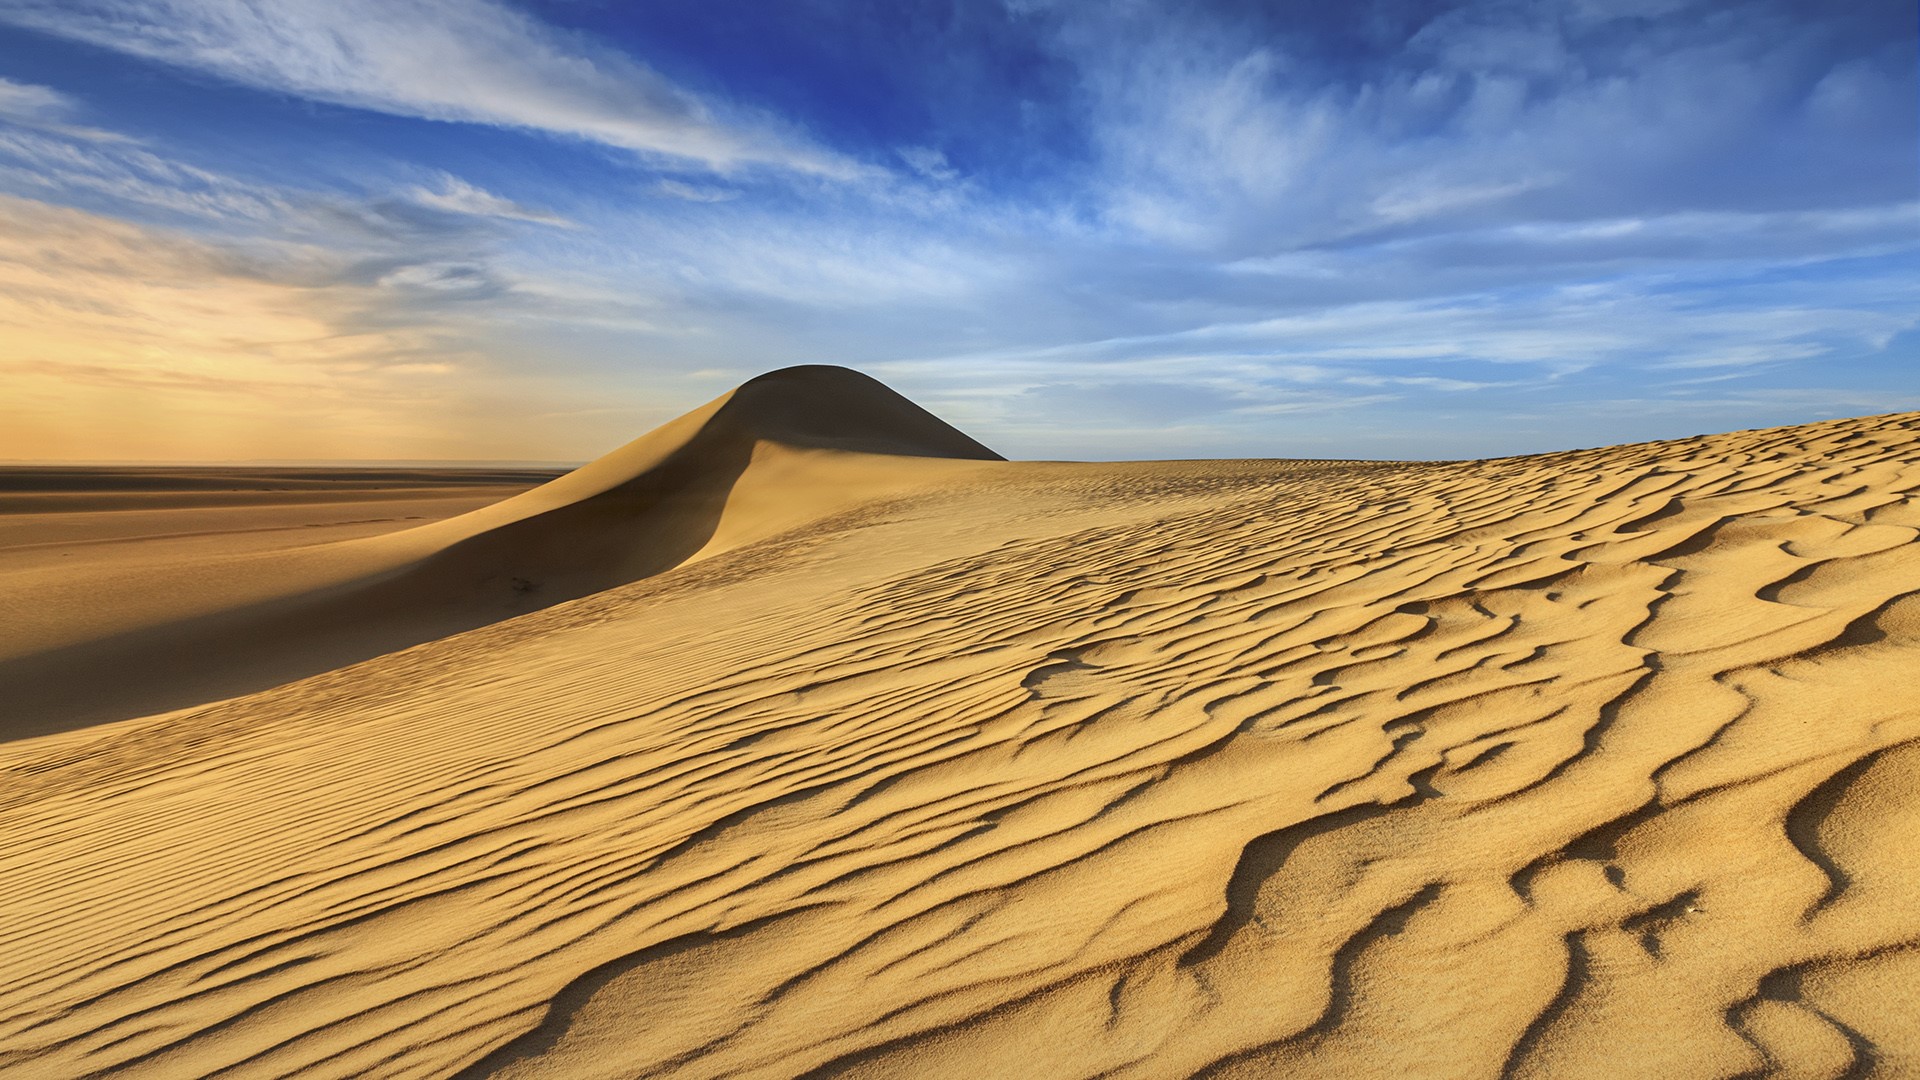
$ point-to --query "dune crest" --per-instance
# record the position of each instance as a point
(1596, 764)
(781, 450)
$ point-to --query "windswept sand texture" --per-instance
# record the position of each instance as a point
(1603, 763)
(105, 570)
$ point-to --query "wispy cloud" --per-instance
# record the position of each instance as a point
(131, 327)
(121, 340)
(699, 193)
(1233, 134)
(1209, 228)
(59, 161)
(457, 196)
(1556, 331)
(928, 161)
(474, 61)
(30, 105)
(26, 103)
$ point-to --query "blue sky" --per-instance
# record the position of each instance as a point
(486, 229)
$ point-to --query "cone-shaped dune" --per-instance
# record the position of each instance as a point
(803, 737)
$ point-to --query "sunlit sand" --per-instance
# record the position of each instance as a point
(804, 736)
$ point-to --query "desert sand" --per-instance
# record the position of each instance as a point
(803, 736)
(106, 570)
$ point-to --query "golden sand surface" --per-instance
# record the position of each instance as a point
(818, 742)
(90, 557)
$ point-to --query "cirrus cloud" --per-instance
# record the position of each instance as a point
(473, 61)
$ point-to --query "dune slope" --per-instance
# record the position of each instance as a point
(140, 636)
(1603, 763)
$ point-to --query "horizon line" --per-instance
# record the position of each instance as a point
(287, 463)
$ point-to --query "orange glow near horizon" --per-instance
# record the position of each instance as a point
(122, 342)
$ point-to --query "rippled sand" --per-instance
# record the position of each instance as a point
(1603, 763)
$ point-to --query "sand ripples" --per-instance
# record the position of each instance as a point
(1595, 763)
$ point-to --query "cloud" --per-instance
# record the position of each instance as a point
(122, 341)
(1419, 200)
(33, 106)
(1771, 405)
(109, 329)
(1550, 343)
(472, 61)
(456, 196)
(65, 162)
(1555, 329)
(928, 162)
(26, 103)
(443, 279)
(698, 193)
(143, 180)
(1694, 245)
(1219, 132)
(1219, 227)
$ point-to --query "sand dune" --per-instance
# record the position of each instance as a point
(871, 756)
(180, 628)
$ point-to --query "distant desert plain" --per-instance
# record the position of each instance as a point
(804, 736)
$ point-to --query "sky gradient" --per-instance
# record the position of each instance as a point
(481, 229)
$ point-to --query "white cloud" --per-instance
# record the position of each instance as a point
(1742, 355)
(447, 279)
(702, 193)
(1417, 200)
(65, 161)
(1243, 235)
(1544, 334)
(475, 61)
(1230, 135)
(30, 104)
(928, 162)
(1799, 403)
(1693, 239)
(456, 196)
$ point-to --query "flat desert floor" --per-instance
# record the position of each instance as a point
(804, 737)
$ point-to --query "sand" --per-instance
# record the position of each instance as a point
(103, 572)
(823, 743)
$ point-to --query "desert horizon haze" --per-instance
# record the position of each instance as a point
(962, 539)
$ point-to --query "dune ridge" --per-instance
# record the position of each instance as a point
(1589, 764)
(783, 449)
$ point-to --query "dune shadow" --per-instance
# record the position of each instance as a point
(576, 550)
(635, 513)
